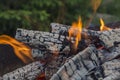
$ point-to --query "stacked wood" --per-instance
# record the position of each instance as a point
(28, 72)
(90, 64)
(87, 65)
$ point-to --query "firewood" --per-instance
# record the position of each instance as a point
(83, 66)
(113, 53)
(28, 72)
(109, 38)
(51, 41)
(58, 28)
(113, 76)
(111, 66)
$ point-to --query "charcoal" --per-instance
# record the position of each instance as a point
(28, 72)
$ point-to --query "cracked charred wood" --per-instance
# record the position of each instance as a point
(83, 66)
(49, 41)
(113, 53)
(109, 38)
(113, 76)
(59, 28)
(111, 67)
(28, 72)
(111, 70)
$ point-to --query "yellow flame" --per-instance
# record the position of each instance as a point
(103, 27)
(23, 52)
(95, 4)
(75, 31)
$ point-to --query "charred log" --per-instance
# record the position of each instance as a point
(109, 38)
(80, 66)
(35, 38)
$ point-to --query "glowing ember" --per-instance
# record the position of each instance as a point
(41, 77)
(23, 52)
(103, 27)
(75, 31)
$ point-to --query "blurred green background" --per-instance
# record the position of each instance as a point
(38, 14)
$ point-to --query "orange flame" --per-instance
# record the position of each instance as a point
(103, 27)
(23, 52)
(75, 31)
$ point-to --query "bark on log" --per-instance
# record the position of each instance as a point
(28, 72)
(81, 67)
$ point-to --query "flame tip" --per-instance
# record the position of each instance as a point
(103, 27)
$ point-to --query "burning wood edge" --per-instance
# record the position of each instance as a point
(28, 72)
(81, 66)
(109, 37)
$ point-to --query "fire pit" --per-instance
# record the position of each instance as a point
(67, 53)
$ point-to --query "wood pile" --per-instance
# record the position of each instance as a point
(97, 56)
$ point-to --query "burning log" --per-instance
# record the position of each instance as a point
(28, 72)
(84, 66)
(109, 37)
